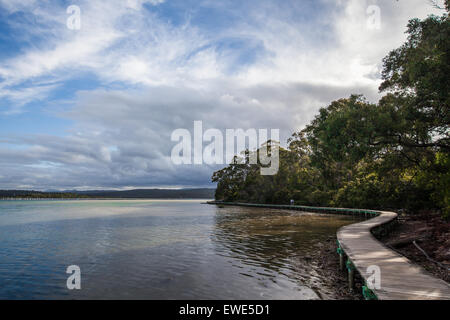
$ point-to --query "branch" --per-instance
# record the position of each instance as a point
(434, 4)
(428, 257)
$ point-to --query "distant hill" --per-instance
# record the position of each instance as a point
(200, 193)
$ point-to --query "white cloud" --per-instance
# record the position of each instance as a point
(170, 75)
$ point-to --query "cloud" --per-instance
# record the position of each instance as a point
(122, 138)
(62, 52)
(22, 96)
(261, 64)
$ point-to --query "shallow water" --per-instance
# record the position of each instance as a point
(159, 249)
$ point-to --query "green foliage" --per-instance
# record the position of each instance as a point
(416, 77)
(442, 189)
(392, 154)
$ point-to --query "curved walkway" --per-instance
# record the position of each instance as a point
(400, 279)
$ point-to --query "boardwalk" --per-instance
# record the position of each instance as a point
(400, 278)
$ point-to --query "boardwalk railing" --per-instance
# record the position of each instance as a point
(387, 275)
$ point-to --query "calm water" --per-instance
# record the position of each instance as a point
(157, 249)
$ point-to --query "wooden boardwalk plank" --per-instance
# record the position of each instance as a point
(400, 278)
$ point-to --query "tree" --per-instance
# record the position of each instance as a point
(416, 78)
(394, 153)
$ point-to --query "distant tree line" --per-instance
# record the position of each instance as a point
(390, 154)
(198, 193)
(40, 195)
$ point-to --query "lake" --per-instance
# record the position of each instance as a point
(160, 249)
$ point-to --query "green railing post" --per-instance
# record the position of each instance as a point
(368, 294)
(351, 275)
(341, 256)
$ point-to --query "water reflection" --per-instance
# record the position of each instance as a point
(281, 242)
(159, 250)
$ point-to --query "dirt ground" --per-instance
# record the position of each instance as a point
(336, 281)
(431, 233)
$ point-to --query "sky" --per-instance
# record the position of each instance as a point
(95, 107)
